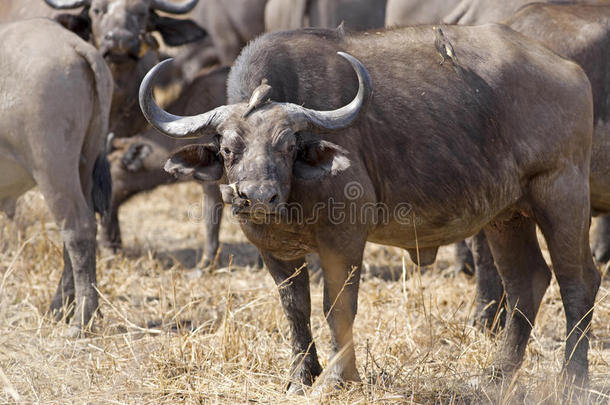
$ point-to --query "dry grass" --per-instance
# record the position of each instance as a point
(170, 334)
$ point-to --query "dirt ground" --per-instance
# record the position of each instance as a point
(171, 333)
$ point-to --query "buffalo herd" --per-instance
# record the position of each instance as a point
(288, 109)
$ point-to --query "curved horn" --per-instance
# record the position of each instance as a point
(339, 118)
(172, 125)
(172, 7)
(67, 4)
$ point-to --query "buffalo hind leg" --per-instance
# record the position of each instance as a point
(212, 215)
(490, 291)
(80, 244)
(564, 222)
(111, 228)
(292, 279)
(526, 277)
(600, 245)
(74, 215)
(64, 296)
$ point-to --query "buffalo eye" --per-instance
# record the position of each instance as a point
(226, 151)
(96, 11)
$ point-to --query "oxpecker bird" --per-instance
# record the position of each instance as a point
(444, 47)
(259, 97)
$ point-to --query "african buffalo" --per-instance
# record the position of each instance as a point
(231, 27)
(137, 163)
(472, 12)
(356, 14)
(56, 93)
(580, 33)
(433, 155)
(121, 30)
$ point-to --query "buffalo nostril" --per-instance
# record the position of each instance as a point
(273, 199)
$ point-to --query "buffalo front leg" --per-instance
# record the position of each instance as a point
(526, 277)
(490, 290)
(600, 245)
(212, 215)
(341, 271)
(292, 279)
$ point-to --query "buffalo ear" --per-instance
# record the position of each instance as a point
(319, 158)
(80, 24)
(201, 162)
(176, 32)
(133, 158)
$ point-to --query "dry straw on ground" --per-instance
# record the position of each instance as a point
(170, 334)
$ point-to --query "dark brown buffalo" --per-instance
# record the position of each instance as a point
(580, 33)
(137, 163)
(472, 12)
(231, 24)
(121, 30)
(388, 163)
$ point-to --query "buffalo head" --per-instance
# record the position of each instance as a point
(120, 29)
(259, 146)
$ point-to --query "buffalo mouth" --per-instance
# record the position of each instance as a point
(253, 212)
(244, 210)
(120, 57)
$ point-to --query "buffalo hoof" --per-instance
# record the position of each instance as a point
(295, 389)
(327, 385)
(490, 318)
(304, 375)
(464, 262)
(74, 332)
(77, 330)
(61, 308)
(496, 375)
(333, 379)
